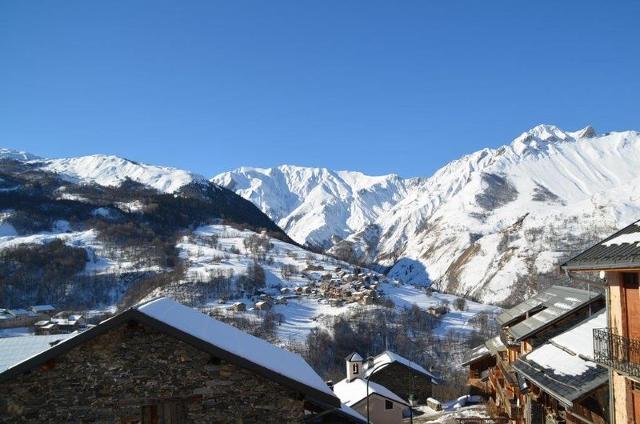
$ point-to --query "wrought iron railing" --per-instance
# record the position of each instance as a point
(618, 352)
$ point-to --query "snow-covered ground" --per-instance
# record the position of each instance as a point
(230, 254)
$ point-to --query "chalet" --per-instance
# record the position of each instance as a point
(479, 360)
(562, 381)
(615, 261)
(211, 372)
(404, 377)
(523, 328)
(370, 399)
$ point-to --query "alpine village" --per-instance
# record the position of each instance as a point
(567, 354)
(319, 212)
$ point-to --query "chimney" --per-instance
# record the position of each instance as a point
(354, 366)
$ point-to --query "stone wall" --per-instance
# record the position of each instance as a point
(402, 381)
(133, 371)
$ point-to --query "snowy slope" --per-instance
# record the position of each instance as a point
(481, 225)
(218, 250)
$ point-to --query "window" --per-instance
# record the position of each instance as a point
(355, 368)
(388, 404)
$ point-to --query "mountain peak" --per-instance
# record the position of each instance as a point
(541, 136)
(586, 132)
(543, 132)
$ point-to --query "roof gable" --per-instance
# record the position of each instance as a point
(206, 334)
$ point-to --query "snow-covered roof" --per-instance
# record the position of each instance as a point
(472, 355)
(352, 392)
(556, 303)
(495, 345)
(388, 357)
(232, 340)
(208, 334)
(619, 250)
(353, 357)
(43, 308)
(20, 312)
(564, 365)
(14, 350)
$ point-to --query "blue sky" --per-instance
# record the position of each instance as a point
(375, 86)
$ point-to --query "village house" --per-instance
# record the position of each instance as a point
(523, 328)
(211, 372)
(479, 360)
(562, 381)
(615, 261)
(403, 377)
(372, 400)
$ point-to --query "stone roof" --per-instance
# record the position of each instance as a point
(619, 250)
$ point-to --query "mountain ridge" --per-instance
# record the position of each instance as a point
(471, 215)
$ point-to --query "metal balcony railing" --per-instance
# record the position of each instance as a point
(618, 352)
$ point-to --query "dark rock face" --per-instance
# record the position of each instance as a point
(134, 372)
(543, 194)
(403, 381)
(498, 192)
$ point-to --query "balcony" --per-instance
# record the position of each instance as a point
(617, 352)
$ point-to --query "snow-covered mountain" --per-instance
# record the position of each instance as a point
(483, 225)
(112, 171)
(315, 205)
(107, 170)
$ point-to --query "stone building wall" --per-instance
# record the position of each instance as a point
(133, 371)
(401, 381)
